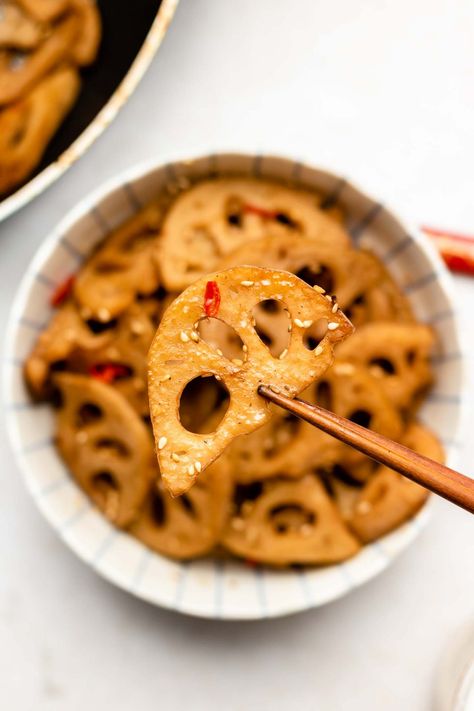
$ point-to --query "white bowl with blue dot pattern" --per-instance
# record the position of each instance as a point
(216, 588)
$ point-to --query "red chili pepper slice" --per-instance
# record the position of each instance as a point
(260, 211)
(108, 372)
(456, 250)
(212, 299)
(62, 292)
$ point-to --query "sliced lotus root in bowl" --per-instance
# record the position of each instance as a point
(189, 525)
(389, 499)
(27, 125)
(18, 30)
(349, 390)
(283, 522)
(179, 354)
(396, 354)
(343, 272)
(284, 444)
(214, 217)
(20, 71)
(120, 360)
(384, 301)
(106, 446)
(66, 333)
(121, 268)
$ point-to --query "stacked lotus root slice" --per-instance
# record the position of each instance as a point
(248, 282)
(43, 45)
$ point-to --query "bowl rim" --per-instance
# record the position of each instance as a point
(54, 170)
(50, 244)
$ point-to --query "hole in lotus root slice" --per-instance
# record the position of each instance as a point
(121, 268)
(27, 125)
(203, 404)
(176, 356)
(272, 323)
(290, 522)
(189, 526)
(17, 29)
(217, 216)
(44, 10)
(343, 271)
(284, 444)
(20, 72)
(127, 454)
(375, 343)
(87, 41)
(350, 391)
(221, 336)
(389, 499)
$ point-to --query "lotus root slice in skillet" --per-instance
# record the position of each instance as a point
(178, 355)
(214, 217)
(105, 445)
(289, 521)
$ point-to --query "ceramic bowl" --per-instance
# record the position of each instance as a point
(213, 588)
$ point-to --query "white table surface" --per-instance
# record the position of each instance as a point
(381, 91)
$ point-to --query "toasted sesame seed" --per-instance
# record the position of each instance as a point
(265, 282)
(237, 361)
(290, 328)
(162, 442)
(195, 336)
(165, 377)
(137, 327)
(184, 337)
(318, 350)
(174, 457)
(283, 354)
(298, 322)
(328, 297)
(185, 309)
(191, 470)
(198, 466)
(103, 314)
(245, 348)
(219, 352)
(344, 368)
(247, 283)
(217, 377)
(363, 507)
(335, 307)
(332, 326)
(307, 323)
(319, 289)
(243, 323)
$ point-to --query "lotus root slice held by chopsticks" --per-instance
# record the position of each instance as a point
(179, 355)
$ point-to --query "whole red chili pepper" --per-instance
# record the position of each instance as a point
(260, 211)
(456, 250)
(212, 299)
(108, 372)
(62, 291)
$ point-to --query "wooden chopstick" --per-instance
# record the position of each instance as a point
(445, 482)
